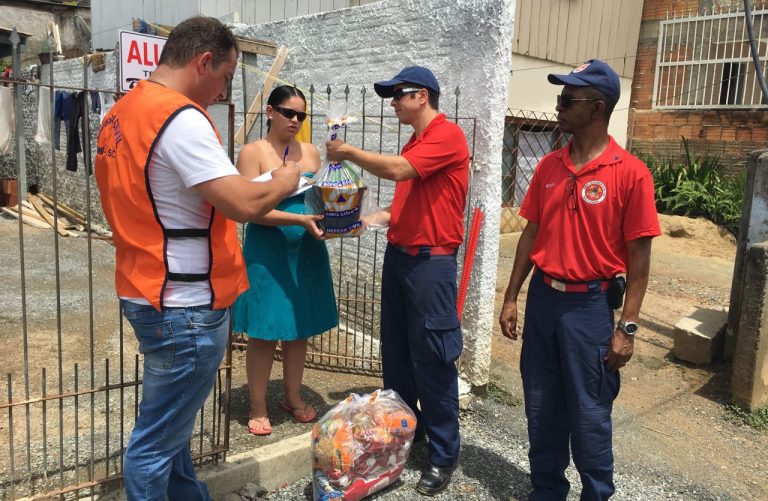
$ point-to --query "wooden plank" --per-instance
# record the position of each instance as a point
(518, 22)
(63, 209)
(253, 46)
(604, 51)
(587, 31)
(276, 10)
(553, 20)
(32, 221)
(256, 104)
(562, 30)
(596, 14)
(313, 6)
(535, 26)
(259, 9)
(38, 205)
(572, 35)
(545, 17)
(633, 36)
(622, 40)
(613, 33)
(525, 27)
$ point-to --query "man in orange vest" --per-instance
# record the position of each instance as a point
(170, 193)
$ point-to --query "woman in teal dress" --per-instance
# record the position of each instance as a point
(291, 289)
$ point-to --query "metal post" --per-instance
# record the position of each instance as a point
(18, 110)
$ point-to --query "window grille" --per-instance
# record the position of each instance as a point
(705, 62)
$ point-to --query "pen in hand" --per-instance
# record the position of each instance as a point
(285, 154)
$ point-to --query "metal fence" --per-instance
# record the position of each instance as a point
(70, 369)
(704, 62)
(528, 136)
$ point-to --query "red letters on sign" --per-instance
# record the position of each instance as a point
(134, 54)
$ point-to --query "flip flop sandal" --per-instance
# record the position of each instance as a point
(264, 427)
(307, 411)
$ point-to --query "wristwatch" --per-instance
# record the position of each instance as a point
(628, 328)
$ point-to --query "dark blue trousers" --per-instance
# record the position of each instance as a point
(420, 342)
(568, 390)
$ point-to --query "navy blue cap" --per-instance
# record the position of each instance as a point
(418, 75)
(593, 73)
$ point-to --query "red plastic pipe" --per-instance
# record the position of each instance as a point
(469, 258)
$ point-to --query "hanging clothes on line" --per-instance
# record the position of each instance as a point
(62, 104)
(95, 102)
(43, 135)
(6, 121)
(107, 100)
(77, 114)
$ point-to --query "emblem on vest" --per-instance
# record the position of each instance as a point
(593, 192)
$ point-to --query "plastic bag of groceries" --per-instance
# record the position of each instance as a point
(361, 446)
(338, 192)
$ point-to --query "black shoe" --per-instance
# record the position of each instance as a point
(434, 479)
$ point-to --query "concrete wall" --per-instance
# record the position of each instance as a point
(749, 379)
(752, 230)
(466, 43)
(529, 90)
(33, 18)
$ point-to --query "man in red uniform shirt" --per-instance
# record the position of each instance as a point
(420, 329)
(591, 216)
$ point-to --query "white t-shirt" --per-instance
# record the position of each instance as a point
(186, 154)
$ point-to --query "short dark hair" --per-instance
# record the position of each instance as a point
(594, 93)
(280, 94)
(432, 97)
(197, 35)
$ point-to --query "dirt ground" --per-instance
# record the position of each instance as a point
(669, 414)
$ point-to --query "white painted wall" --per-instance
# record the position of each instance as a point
(530, 90)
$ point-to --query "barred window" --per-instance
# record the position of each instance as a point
(705, 62)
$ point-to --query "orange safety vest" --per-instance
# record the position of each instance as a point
(127, 137)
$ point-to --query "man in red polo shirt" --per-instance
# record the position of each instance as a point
(591, 216)
(420, 329)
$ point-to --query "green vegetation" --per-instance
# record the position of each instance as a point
(502, 396)
(698, 188)
(757, 419)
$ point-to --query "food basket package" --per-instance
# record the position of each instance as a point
(361, 446)
(338, 192)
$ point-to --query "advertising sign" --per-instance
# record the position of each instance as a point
(139, 54)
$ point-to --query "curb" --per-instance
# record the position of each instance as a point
(271, 466)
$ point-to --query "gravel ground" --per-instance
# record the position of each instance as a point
(494, 466)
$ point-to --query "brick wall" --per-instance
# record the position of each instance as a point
(730, 134)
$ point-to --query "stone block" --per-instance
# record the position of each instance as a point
(271, 466)
(699, 335)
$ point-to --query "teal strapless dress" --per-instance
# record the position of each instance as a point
(291, 288)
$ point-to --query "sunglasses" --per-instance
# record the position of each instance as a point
(289, 113)
(399, 93)
(570, 193)
(565, 101)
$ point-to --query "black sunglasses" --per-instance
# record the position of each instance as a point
(399, 93)
(572, 197)
(289, 113)
(565, 101)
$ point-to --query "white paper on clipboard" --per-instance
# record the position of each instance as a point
(304, 183)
